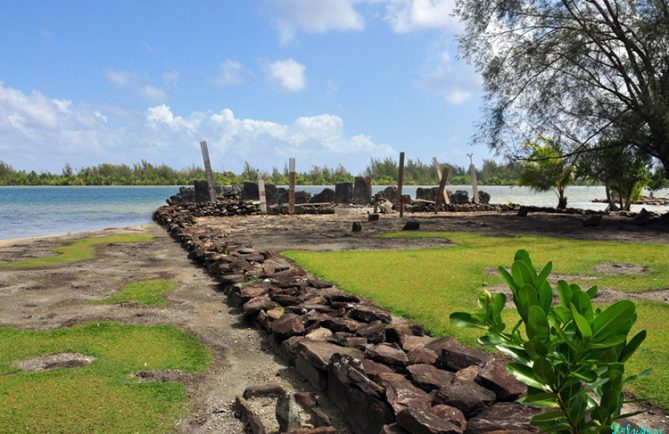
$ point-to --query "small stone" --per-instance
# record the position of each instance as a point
(357, 227)
(422, 355)
(288, 325)
(411, 225)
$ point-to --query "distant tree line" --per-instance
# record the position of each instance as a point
(382, 171)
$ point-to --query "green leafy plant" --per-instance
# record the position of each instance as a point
(571, 356)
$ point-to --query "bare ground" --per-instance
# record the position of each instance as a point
(57, 297)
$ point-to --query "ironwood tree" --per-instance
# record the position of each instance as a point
(579, 71)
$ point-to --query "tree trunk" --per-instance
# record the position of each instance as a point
(562, 199)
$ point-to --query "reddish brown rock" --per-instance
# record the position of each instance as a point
(496, 377)
(257, 304)
(319, 334)
(401, 393)
(467, 396)
(422, 421)
(410, 342)
(367, 313)
(318, 353)
(385, 353)
(429, 378)
(288, 325)
(504, 417)
(455, 356)
(422, 355)
(468, 374)
(451, 414)
(355, 395)
(374, 332)
(373, 369)
(342, 325)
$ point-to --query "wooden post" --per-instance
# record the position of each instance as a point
(472, 173)
(441, 194)
(207, 170)
(437, 167)
(261, 195)
(400, 181)
(291, 186)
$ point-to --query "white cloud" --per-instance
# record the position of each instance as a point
(456, 82)
(154, 93)
(288, 74)
(43, 133)
(120, 78)
(409, 15)
(230, 72)
(314, 16)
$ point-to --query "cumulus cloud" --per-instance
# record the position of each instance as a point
(314, 16)
(288, 74)
(44, 133)
(230, 72)
(409, 15)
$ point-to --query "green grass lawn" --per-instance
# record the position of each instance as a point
(150, 292)
(79, 250)
(427, 285)
(102, 396)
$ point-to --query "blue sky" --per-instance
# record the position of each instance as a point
(325, 81)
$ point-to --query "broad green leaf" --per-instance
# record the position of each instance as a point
(537, 324)
(535, 348)
(508, 279)
(581, 301)
(464, 319)
(543, 275)
(549, 416)
(564, 291)
(524, 374)
(632, 346)
(545, 296)
(592, 292)
(613, 319)
(581, 323)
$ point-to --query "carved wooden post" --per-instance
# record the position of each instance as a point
(400, 181)
(437, 167)
(472, 173)
(261, 195)
(207, 170)
(291, 186)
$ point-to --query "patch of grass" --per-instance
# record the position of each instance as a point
(427, 285)
(150, 292)
(102, 396)
(79, 250)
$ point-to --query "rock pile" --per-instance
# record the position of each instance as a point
(385, 374)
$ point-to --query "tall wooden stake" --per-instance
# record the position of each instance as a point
(400, 181)
(261, 195)
(441, 194)
(437, 167)
(207, 170)
(291, 186)
(472, 173)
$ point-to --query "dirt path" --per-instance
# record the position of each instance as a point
(56, 297)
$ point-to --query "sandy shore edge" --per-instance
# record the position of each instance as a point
(82, 234)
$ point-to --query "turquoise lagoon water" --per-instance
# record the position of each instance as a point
(35, 211)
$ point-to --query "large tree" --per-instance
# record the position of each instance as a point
(577, 70)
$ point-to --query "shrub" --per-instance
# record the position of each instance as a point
(571, 356)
